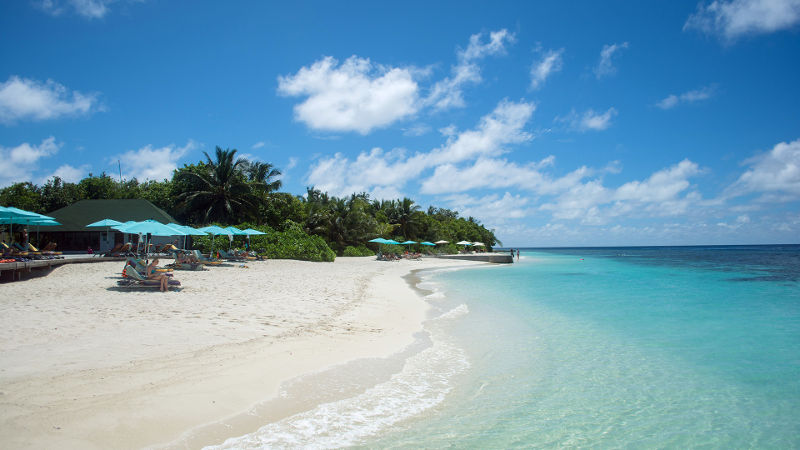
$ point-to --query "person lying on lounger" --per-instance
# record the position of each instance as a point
(152, 274)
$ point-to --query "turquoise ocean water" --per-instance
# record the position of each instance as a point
(670, 347)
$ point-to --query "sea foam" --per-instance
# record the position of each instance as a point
(424, 381)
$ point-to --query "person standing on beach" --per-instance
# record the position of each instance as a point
(517, 254)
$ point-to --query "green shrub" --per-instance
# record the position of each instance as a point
(291, 243)
(361, 250)
(206, 243)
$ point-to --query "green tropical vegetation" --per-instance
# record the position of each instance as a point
(227, 189)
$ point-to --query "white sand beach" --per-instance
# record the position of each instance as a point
(86, 365)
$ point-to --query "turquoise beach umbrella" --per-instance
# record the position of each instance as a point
(252, 232)
(150, 226)
(378, 240)
(427, 243)
(188, 230)
(235, 231)
(21, 216)
(104, 223)
(108, 223)
(215, 230)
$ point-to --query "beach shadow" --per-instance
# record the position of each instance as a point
(141, 289)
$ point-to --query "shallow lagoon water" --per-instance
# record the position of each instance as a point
(654, 347)
(631, 347)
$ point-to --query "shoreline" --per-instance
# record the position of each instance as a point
(190, 394)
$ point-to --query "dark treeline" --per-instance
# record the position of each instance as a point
(230, 190)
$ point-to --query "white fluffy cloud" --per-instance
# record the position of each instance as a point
(549, 64)
(22, 98)
(665, 193)
(354, 96)
(501, 174)
(68, 173)
(448, 92)
(605, 67)
(493, 206)
(23, 160)
(378, 170)
(692, 96)
(361, 96)
(776, 173)
(590, 120)
(90, 9)
(148, 163)
(736, 18)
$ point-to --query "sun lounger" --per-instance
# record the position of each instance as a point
(120, 250)
(140, 265)
(49, 249)
(186, 266)
(203, 260)
(229, 257)
(132, 278)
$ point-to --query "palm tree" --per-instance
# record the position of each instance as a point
(262, 175)
(406, 214)
(219, 191)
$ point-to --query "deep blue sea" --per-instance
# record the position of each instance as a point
(661, 347)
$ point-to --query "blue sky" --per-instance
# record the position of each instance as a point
(577, 123)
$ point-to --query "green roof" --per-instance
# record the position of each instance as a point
(76, 216)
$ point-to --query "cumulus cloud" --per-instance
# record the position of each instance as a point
(665, 193)
(24, 159)
(354, 96)
(496, 173)
(776, 173)
(68, 173)
(692, 96)
(258, 145)
(23, 98)
(417, 130)
(733, 19)
(448, 93)
(605, 67)
(740, 221)
(378, 169)
(590, 120)
(89, 9)
(549, 64)
(148, 163)
(499, 208)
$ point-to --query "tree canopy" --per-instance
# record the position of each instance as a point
(230, 189)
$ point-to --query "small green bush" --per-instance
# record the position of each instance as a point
(361, 250)
(290, 243)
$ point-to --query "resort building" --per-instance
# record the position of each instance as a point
(72, 234)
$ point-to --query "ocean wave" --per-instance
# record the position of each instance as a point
(423, 383)
(435, 295)
(459, 311)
